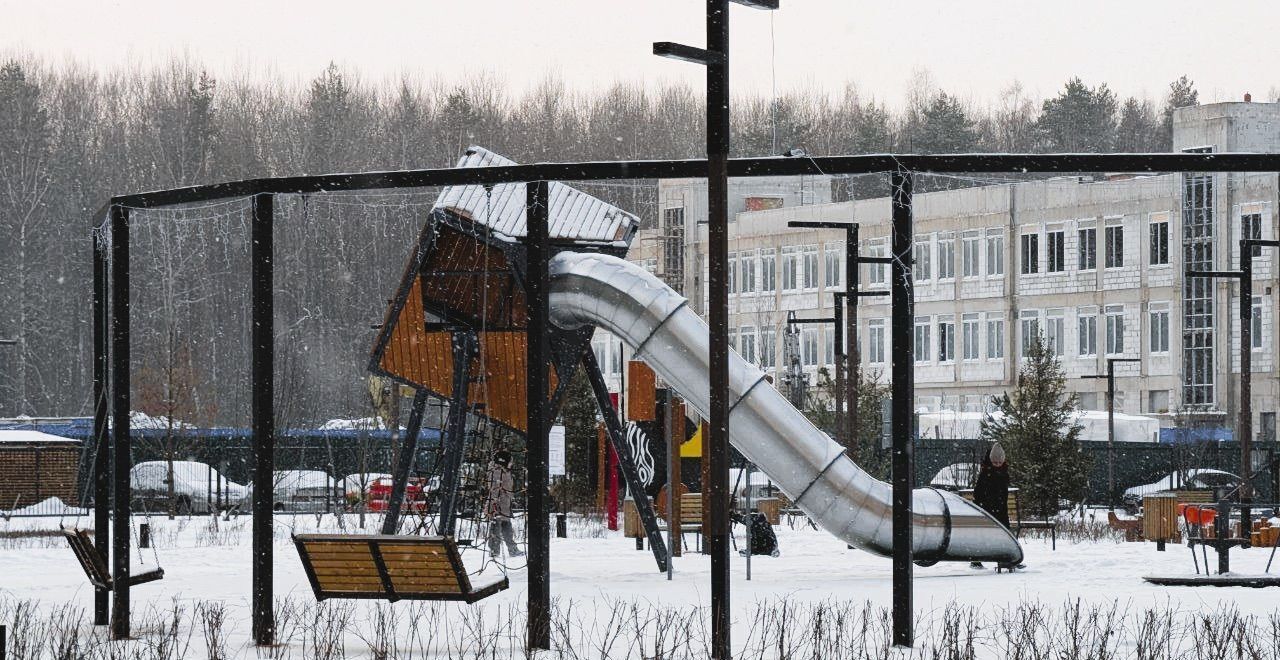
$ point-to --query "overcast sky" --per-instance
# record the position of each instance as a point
(972, 48)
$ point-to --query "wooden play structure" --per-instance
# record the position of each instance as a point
(389, 567)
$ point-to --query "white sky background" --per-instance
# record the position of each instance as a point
(972, 48)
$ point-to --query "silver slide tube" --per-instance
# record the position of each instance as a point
(811, 468)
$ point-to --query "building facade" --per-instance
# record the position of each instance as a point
(1094, 264)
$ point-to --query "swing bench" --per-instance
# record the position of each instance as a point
(95, 567)
(389, 567)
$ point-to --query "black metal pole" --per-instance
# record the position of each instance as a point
(1111, 435)
(537, 358)
(101, 410)
(1246, 386)
(837, 308)
(853, 356)
(262, 334)
(454, 431)
(121, 451)
(718, 305)
(626, 461)
(903, 306)
(405, 459)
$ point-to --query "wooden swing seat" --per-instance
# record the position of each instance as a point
(389, 567)
(95, 567)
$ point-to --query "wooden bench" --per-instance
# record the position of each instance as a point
(1017, 522)
(95, 567)
(389, 567)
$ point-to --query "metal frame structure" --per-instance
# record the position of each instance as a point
(1110, 376)
(114, 357)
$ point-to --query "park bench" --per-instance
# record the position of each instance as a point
(690, 506)
(1132, 528)
(389, 567)
(1018, 521)
(95, 567)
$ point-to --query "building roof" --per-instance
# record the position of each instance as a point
(575, 215)
(28, 437)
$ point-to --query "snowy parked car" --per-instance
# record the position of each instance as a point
(955, 477)
(1193, 479)
(303, 491)
(196, 488)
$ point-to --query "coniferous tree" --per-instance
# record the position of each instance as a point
(1036, 426)
(1182, 94)
(1137, 131)
(946, 128)
(1079, 119)
(820, 409)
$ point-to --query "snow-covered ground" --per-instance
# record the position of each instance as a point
(595, 568)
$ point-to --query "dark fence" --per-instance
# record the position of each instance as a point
(1135, 463)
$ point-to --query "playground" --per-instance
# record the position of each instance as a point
(611, 594)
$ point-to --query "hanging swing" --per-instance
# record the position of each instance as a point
(391, 567)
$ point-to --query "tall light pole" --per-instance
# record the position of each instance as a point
(1244, 425)
(716, 58)
(1111, 426)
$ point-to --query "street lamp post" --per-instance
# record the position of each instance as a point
(716, 58)
(1111, 426)
(1244, 425)
(848, 363)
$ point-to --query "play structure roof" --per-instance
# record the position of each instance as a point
(574, 214)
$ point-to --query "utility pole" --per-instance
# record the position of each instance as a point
(1111, 426)
(716, 58)
(1244, 427)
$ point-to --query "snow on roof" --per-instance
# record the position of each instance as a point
(33, 438)
(574, 214)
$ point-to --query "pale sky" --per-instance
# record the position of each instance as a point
(972, 48)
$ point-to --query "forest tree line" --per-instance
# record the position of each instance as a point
(70, 137)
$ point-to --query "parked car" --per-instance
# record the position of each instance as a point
(197, 488)
(374, 491)
(955, 477)
(303, 491)
(1192, 479)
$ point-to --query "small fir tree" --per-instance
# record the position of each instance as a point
(820, 409)
(1036, 427)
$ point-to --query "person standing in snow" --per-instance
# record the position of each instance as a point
(991, 492)
(498, 507)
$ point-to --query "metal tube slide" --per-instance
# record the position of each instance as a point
(811, 468)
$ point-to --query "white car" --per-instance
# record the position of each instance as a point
(1192, 479)
(197, 488)
(307, 491)
(956, 477)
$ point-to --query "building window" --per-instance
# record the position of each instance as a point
(673, 248)
(995, 337)
(790, 269)
(1055, 332)
(1030, 325)
(768, 270)
(1087, 331)
(747, 343)
(922, 344)
(731, 274)
(969, 254)
(747, 272)
(650, 265)
(768, 347)
(1056, 251)
(875, 341)
(809, 347)
(1255, 324)
(995, 252)
(1115, 246)
(1158, 314)
(875, 272)
(810, 267)
(946, 339)
(1251, 227)
(1159, 231)
(969, 336)
(920, 270)
(1115, 330)
(833, 266)
(1030, 254)
(1088, 255)
(829, 347)
(946, 257)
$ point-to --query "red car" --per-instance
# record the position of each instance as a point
(379, 495)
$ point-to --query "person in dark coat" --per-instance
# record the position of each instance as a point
(498, 507)
(991, 492)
